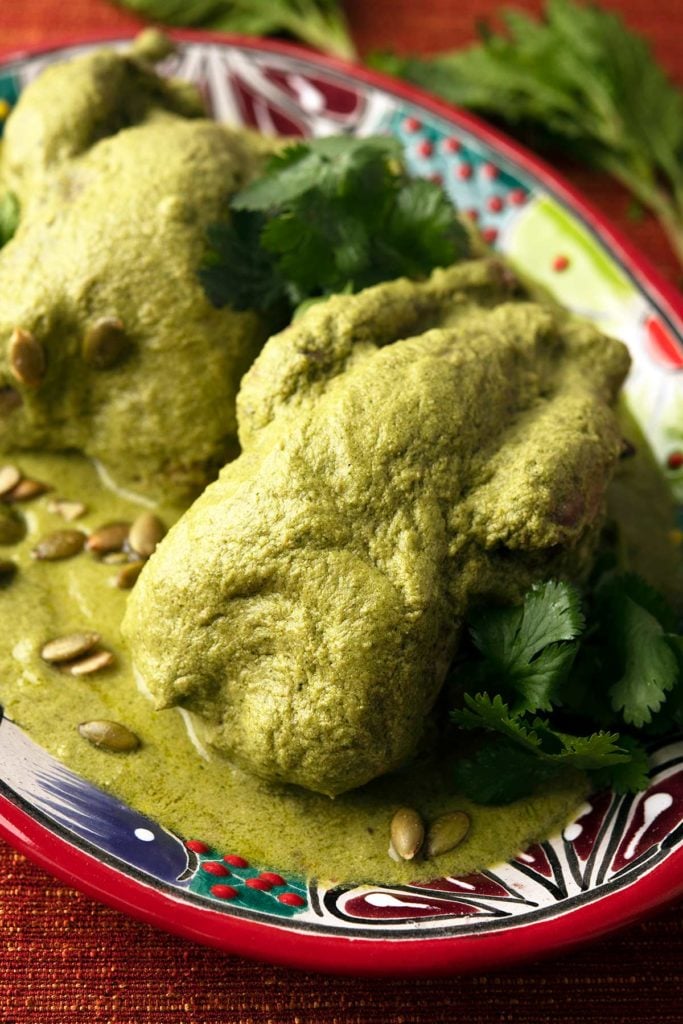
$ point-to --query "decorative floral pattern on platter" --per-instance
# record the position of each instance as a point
(614, 840)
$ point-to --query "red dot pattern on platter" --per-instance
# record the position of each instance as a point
(213, 867)
(489, 235)
(490, 171)
(236, 862)
(411, 125)
(560, 263)
(258, 883)
(196, 846)
(675, 460)
(464, 171)
(516, 196)
(495, 203)
(291, 899)
(224, 892)
(273, 878)
(451, 145)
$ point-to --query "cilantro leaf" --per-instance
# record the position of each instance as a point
(527, 648)
(624, 665)
(9, 217)
(648, 666)
(493, 714)
(421, 231)
(237, 270)
(329, 165)
(627, 776)
(328, 216)
(647, 597)
(500, 773)
(320, 23)
(537, 736)
(599, 750)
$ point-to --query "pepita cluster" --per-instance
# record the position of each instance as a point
(410, 838)
(104, 345)
(125, 544)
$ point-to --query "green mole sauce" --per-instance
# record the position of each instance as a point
(282, 827)
(279, 826)
(60, 160)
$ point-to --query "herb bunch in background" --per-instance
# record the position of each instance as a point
(578, 81)
(320, 23)
(329, 215)
(564, 682)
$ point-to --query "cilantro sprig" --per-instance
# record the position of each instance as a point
(578, 80)
(563, 683)
(319, 23)
(329, 215)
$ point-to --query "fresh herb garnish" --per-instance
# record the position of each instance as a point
(597, 677)
(320, 23)
(647, 666)
(9, 217)
(329, 215)
(581, 81)
(525, 649)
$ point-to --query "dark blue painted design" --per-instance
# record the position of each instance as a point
(87, 812)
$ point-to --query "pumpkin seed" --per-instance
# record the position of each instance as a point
(109, 736)
(128, 576)
(145, 534)
(7, 572)
(26, 358)
(12, 527)
(27, 490)
(66, 648)
(105, 343)
(91, 663)
(68, 510)
(9, 478)
(10, 399)
(60, 544)
(407, 833)
(108, 537)
(447, 832)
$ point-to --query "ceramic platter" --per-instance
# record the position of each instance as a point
(622, 856)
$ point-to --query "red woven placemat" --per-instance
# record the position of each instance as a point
(65, 959)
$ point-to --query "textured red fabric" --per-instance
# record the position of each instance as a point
(65, 959)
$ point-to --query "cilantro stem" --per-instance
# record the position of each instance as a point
(320, 23)
(324, 29)
(667, 209)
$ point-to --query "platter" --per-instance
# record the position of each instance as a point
(622, 856)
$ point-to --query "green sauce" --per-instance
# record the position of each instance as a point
(278, 826)
(174, 172)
